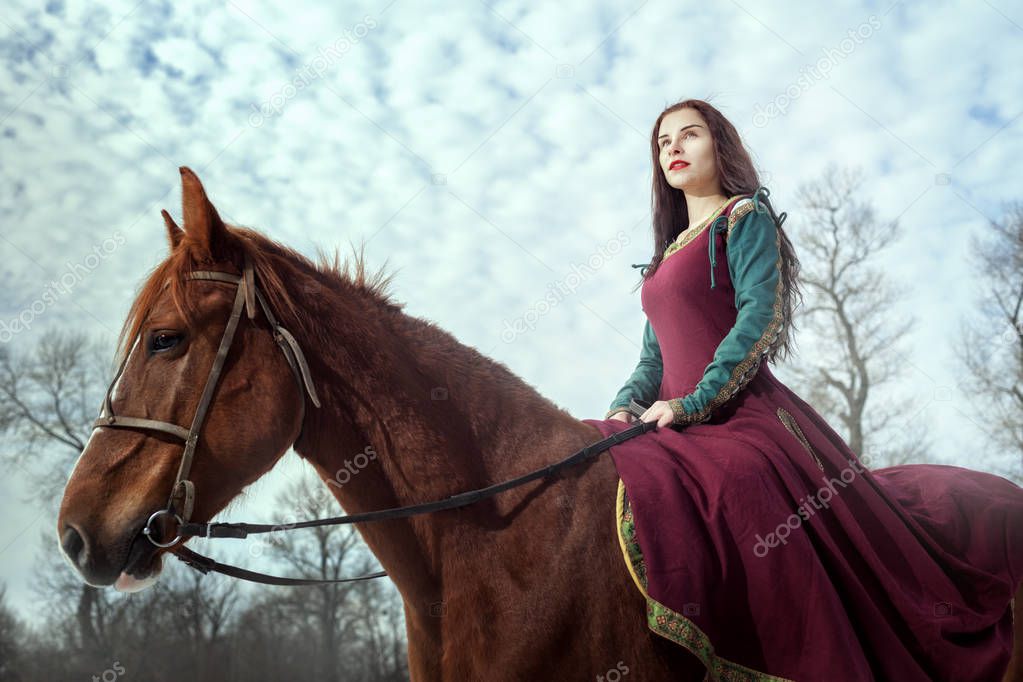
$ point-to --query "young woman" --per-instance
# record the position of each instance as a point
(761, 542)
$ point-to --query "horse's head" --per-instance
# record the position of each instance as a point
(132, 463)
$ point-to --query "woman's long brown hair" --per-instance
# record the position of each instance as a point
(737, 176)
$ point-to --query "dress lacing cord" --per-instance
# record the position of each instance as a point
(714, 228)
(712, 244)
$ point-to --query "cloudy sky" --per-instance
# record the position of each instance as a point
(487, 151)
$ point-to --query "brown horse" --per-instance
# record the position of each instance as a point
(1014, 673)
(530, 584)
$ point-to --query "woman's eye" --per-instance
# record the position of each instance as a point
(164, 341)
(685, 135)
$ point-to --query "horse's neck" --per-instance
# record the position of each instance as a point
(410, 415)
(409, 402)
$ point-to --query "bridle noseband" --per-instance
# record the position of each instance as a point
(183, 491)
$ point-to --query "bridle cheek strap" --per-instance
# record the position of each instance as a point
(183, 488)
(181, 503)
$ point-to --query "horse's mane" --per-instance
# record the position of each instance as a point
(273, 264)
(312, 320)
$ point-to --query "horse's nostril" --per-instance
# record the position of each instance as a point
(73, 543)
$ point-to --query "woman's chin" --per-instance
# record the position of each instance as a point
(129, 583)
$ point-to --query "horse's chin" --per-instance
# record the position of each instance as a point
(142, 567)
(129, 583)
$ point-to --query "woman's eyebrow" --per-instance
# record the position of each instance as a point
(691, 125)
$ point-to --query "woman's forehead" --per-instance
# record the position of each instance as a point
(682, 117)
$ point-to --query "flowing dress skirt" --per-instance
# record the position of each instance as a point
(769, 550)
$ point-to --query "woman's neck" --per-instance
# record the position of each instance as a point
(702, 207)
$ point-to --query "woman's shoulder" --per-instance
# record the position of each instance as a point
(740, 208)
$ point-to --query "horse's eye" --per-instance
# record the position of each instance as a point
(163, 341)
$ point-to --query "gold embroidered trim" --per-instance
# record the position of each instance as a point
(680, 411)
(632, 566)
(745, 369)
(790, 423)
(670, 624)
(690, 233)
(741, 209)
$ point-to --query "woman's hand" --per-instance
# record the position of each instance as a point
(623, 416)
(659, 412)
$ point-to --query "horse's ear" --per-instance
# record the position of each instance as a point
(202, 222)
(174, 233)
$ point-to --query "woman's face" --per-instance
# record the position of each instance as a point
(687, 152)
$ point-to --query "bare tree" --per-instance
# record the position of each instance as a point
(990, 342)
(49, 399)
(199, 607)
(178, 629)
(341, 618)
(10, 642)
(853, 320)
(384, 635)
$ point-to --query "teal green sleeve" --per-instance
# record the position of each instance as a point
(755, 267)
(645, 382)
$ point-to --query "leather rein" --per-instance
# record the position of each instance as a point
(182, 498)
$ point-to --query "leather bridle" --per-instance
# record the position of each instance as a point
(182, 498)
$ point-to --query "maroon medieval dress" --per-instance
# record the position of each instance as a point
(767, 548)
